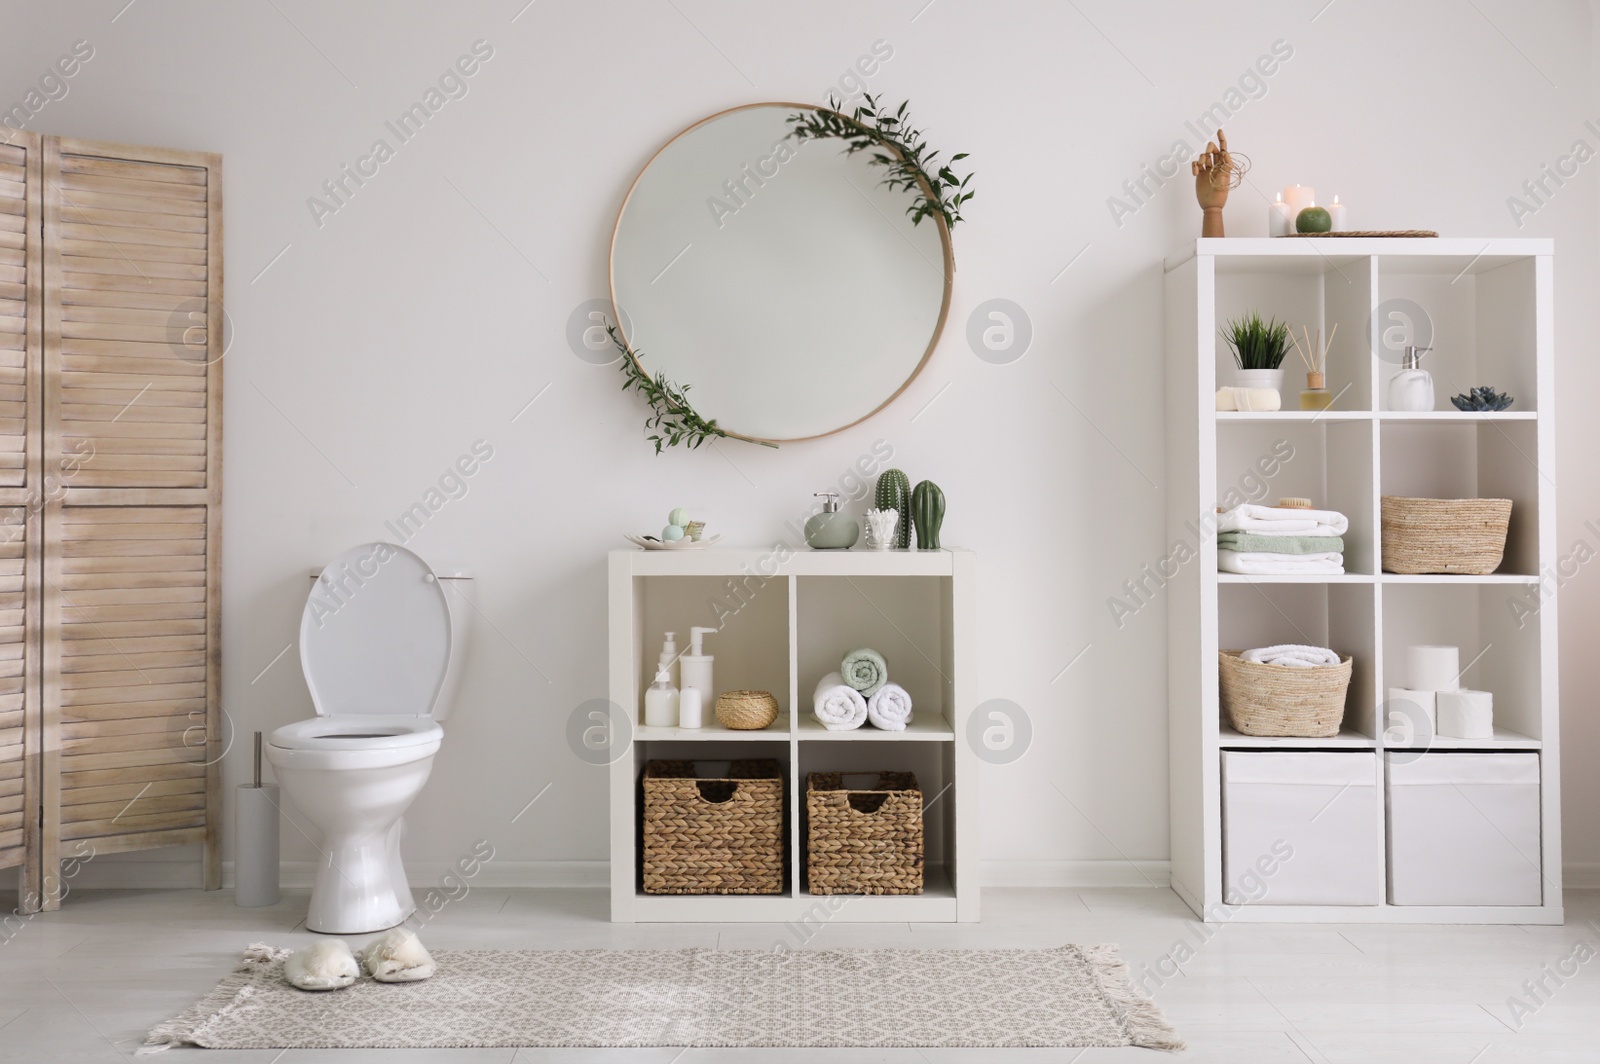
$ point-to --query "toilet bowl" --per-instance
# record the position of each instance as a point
(378, 638)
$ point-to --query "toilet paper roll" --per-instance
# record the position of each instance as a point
(1422, 700)
(1466, 714)
(1433, 668)
(255, 845)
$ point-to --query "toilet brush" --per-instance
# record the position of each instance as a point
(255, 840)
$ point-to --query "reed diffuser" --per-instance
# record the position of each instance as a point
(1315, 356)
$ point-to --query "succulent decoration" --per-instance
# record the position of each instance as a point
(927, 510)
(1482, 399)
(908, 162)
(894, 493)
(1257, 344)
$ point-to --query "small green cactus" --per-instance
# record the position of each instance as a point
(927, 509)
(894, 493)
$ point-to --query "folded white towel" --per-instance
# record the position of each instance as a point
(1294, 655)
(837, 705)
(890, 708)
(1265, 563)
(1282, 521)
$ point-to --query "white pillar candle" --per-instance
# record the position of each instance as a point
(1279, 221)
(1430, 668)
(1466, 714)
(1298, 197)
(690, 708)
(1336, 214)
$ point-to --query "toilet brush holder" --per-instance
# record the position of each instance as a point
(255, 841)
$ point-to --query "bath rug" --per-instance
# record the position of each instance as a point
(1069, 996)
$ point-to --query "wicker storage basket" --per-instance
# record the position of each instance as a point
(864, 841)
(720, 835)
(1444, 535)
(746, 710)
(1283, 701)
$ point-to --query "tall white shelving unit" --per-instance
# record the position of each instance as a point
(1489, 302)
(785, 620)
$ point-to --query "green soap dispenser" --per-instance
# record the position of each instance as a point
(831, 530)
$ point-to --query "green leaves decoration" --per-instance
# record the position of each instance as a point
(671, 415)
(899, 148)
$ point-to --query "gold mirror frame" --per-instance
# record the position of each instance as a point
(944, 245)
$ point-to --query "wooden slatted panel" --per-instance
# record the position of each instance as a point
(17, 238)
(21, 341)
(134, 668)
(135, 245)
(15, 738)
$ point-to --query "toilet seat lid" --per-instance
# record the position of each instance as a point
(375, 634)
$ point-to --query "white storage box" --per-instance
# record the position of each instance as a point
(1464, 829)
(1301, 828)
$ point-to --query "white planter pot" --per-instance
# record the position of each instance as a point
(1258, 378)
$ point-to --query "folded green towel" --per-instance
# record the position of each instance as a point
(1246, 541)
(865, 670)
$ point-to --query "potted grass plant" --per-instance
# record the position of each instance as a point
(1258, 349)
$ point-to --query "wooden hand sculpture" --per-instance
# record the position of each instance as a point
(1216, 172)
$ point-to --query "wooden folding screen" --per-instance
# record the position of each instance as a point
(129, 446)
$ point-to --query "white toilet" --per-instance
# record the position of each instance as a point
(378, 641)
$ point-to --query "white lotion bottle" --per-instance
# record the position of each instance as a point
(695, 664)
(1411, 390)
(661, 701)
(690, 708)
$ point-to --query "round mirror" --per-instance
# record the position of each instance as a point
(776, 278)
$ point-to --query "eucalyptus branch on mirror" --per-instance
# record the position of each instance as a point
(673, 418)
(898, 147)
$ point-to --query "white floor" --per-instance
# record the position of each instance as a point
(83, 984)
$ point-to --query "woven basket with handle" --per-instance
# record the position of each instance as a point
(713, 835)
(864, 841)
(1444, 535)
(1282, 700)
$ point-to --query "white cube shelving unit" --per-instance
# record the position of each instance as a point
(1489, 302)
(785, 619)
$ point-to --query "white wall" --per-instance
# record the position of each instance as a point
(381, 344)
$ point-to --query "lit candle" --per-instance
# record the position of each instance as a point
(1279, 221)
(1336, 213)
(1298, 197)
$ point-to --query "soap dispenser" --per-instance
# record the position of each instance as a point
(831, 530)
(661, 701)
(669, 654)
(695, 668)
(1411, 390)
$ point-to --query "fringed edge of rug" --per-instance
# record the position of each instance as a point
(234, 990)
(1141, 1017)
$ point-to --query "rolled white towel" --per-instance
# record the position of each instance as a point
(1293, 655)
(1282, 521)
(837, 705)
(890, 708)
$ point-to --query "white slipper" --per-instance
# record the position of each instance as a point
(325, 965)
(397, 956)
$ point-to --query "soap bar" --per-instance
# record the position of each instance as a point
(1263, 400)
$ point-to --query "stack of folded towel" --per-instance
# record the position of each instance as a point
(860, 692)
(1281, 540)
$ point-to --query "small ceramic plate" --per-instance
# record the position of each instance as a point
(683, 544)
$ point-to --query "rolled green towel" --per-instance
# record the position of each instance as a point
(1246, 541)
(865, 670)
